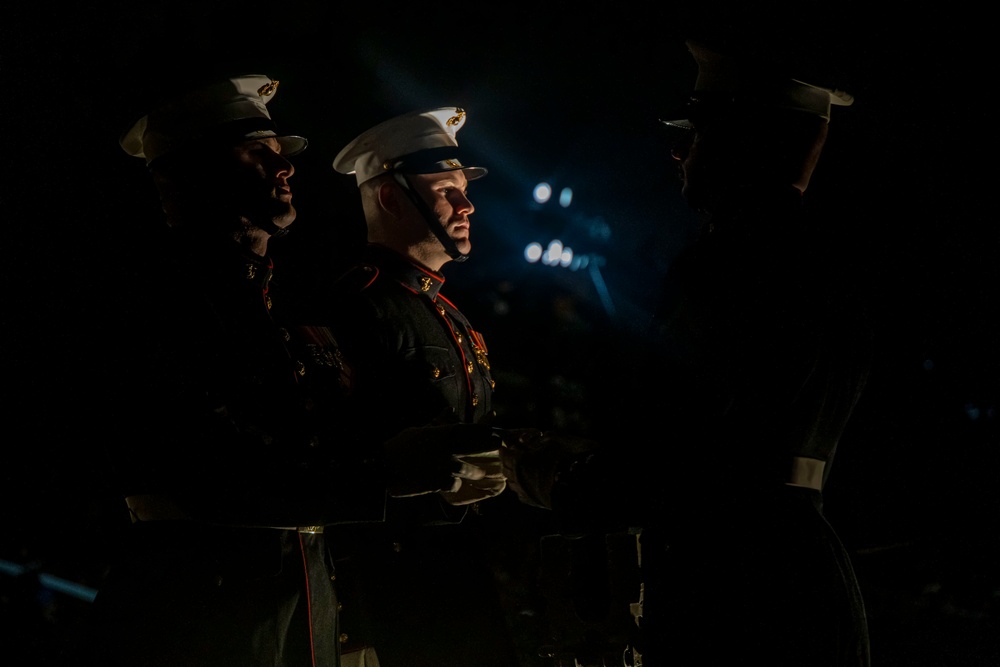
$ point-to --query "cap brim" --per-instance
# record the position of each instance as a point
(472, 173)
(292, 144)
(682, 123)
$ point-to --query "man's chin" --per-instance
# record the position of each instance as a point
(274, 226)
(284, 217)
(693, 196)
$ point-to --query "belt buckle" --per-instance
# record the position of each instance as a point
(310, 530)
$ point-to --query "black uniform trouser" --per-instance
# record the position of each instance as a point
(422, 596)
(758, 580)
(186, 594)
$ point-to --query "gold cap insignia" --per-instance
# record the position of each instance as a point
(457, 118)
(268, 89)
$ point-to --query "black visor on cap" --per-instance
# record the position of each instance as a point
(253, 128)
(704, 106)
(435, 160)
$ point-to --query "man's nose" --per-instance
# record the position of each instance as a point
(680, 149)
(464, 205)
(281, 165)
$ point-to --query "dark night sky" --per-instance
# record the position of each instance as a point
(551, 95)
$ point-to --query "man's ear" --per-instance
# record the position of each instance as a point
(390, 198)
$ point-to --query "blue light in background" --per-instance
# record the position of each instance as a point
(553, 254)
(542, 192)
(533, 252)
(51, 582)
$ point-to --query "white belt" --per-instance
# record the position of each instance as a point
(806, 473)
(148, 507)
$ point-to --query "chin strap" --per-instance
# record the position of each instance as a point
(431, 219)
(274, 230)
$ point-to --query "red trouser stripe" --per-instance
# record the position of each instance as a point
(305, 571)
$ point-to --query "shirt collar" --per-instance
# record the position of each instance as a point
(411, 275)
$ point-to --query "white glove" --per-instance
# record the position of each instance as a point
(468, 489)
(440, 459)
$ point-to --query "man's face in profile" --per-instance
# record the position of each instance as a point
(252, 180)
(732, 150)
(710, 158)
(446, 193)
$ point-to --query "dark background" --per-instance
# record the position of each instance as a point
(561, 93)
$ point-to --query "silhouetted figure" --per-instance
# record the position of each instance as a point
(757, 362)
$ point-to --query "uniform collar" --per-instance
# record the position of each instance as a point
(255, 268)
(223, 257)
(774, 208)
(411, 275)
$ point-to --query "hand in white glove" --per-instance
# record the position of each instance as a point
(442, 459)
(491, 484)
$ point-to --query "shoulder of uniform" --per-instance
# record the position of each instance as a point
(452, 308)
(357, 278)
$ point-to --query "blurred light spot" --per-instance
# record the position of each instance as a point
(928, 364)
(542, 193)
(566, 257)
(566, 197)
(533, 252)
(972, 411)
(554, 253)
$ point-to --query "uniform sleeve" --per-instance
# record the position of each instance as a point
(218, 412)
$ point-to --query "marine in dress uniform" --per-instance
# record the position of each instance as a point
(759, 359)
(425, 595)
(224, 437)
